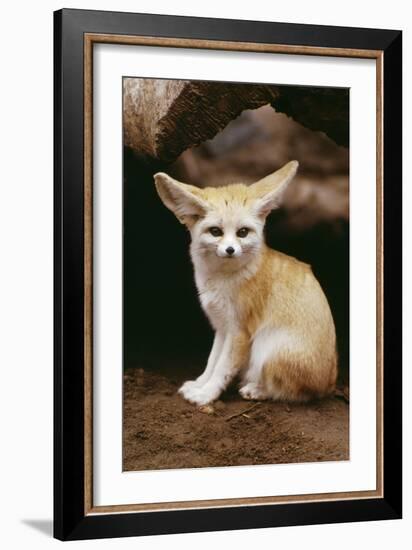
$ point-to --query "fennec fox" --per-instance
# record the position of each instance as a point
(273, 326)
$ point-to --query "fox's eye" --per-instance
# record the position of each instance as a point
(242, 232)
(215, 231)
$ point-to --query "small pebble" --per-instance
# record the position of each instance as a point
(207, 409)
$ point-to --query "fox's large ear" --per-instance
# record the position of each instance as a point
(184, 200)
(268, 191)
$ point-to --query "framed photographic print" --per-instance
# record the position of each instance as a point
(227, 274)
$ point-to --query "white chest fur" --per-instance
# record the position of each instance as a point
(218, 293)
(218, 301)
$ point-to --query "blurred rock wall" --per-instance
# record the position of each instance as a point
(259, 142)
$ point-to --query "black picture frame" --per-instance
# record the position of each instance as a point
(71, 522)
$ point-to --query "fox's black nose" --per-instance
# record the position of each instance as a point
(230, 250)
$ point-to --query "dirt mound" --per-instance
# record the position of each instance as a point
(161, 430)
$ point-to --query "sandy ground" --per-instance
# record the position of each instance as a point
(161, 430)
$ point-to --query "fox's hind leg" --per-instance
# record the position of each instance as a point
(268, 345)
(254, 390)
(281, 368)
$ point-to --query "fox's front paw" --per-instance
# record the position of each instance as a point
(198, 395)
(188, 386)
